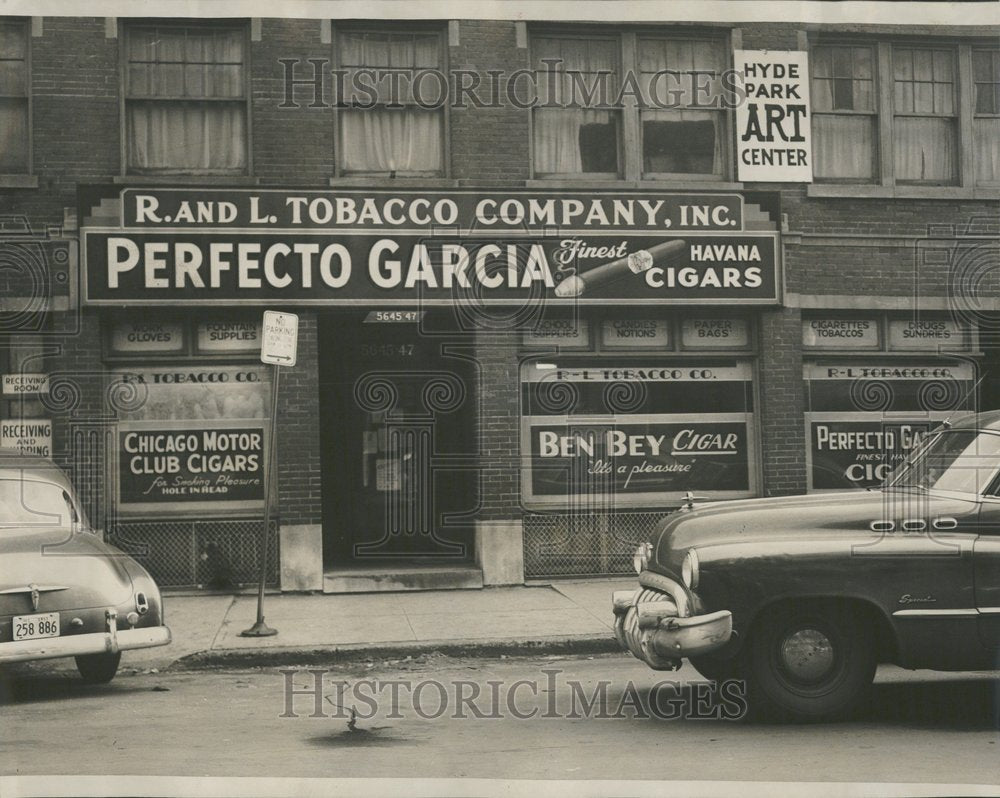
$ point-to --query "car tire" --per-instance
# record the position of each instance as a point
(812, 662)
(98, 668)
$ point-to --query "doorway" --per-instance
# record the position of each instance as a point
(397, 427)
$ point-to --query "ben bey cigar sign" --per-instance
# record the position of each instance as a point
(400, 247)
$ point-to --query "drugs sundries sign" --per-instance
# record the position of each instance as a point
(202, 246)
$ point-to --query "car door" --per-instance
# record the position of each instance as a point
(987, 570)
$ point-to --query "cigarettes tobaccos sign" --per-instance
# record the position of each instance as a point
(202, 246)
(773, 124)
(193, 465)
(635, 434)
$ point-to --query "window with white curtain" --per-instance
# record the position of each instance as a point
(986, 115)
(925, 135)
(686, 139)
(14, 124)
(185, 99)
(394, 127)
(843, 95)
(568, 138)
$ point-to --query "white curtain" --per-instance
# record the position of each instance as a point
(843, 146)
(185, 108)
(384, 139)
(987, 136)
(392, 140)
(557, 131)
(925, 149)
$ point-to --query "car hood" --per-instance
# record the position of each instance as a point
(847, 514)
(70, 570)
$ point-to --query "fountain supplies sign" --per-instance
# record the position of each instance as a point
(211, 464)
(206, 246)
(773, 122)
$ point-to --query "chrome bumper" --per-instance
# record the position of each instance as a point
(649, 625)
(108, 642)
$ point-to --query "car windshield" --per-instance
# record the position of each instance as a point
(963, 461)
(32, 503)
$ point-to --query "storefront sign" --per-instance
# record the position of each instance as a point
(840, 333)
(715, 333)
(925, 334)
(559, 332)
(228, 336)
(773, 124)
(635, 334)
(407, 247)
(25, 384)
(141, 336)
(649, 458)
(210, 464)
(857, 453)
(28, 436)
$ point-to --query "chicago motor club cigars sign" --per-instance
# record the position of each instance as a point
(400, 247)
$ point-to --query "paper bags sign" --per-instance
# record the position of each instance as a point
(773, 123)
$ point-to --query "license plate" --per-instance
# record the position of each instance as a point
(32, 627)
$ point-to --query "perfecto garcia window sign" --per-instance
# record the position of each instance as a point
(634, 433)
(864, 417)
(203, 246)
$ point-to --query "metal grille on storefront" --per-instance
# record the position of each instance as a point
(584, 544)
(216, 555)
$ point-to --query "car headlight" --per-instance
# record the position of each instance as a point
(689, 569)
(641, 557)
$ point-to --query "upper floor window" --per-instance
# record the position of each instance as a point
(390, 128)
(14, 112)
(893, 114)
(986, 112)
(186, 99)
(628, 105)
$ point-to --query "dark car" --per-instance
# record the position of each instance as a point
(802, 596)
(63, 591)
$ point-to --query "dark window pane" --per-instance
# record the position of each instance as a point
(13, 136)
(686, 147)
(843, 94)
(598, 148)
(842, 67)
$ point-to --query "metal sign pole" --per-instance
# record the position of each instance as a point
(261, 629)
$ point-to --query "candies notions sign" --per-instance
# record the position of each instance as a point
(280, 341)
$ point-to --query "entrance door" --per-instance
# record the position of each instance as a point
(397, 426)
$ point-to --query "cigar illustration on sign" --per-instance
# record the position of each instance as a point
(634, 263)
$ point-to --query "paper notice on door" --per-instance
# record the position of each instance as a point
(369, 443)
(387, 474)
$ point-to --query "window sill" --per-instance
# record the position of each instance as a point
(187, 179)
(360, 181)
(18, 181)
(868, 191)
(666, 185)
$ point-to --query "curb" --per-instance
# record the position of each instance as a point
(329, 655)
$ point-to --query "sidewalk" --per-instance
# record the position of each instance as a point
(571, 615)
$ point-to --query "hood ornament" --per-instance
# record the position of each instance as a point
(690, 499)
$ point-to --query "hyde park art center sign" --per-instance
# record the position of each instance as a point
(202, 246)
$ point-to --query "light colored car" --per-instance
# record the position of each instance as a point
(63, 591)
(802, 596)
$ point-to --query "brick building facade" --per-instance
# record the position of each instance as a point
(495, 460)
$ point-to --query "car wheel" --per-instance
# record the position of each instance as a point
(719, 670)
(98, 668)
(809, 663)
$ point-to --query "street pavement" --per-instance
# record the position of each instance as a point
(541, 717)
(566, 615)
